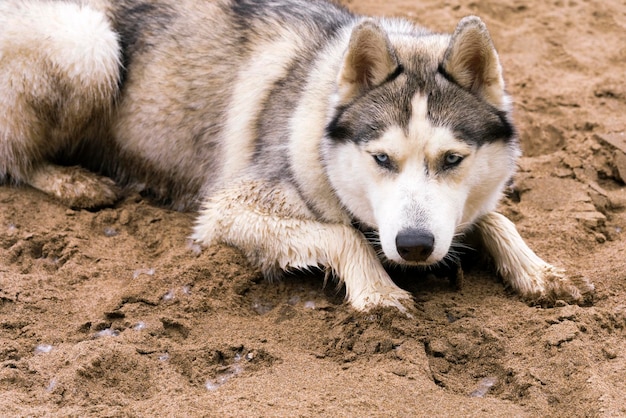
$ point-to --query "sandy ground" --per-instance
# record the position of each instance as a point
(113, 313)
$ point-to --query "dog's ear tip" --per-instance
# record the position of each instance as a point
(471, 61)
(369, 59)
(369, 23)
(471, 20)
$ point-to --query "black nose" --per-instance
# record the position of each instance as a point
(415, 244)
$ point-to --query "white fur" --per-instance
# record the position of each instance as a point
(42, 43)
(281, 237)
(307, 127)
(251, 86)
(77, 39)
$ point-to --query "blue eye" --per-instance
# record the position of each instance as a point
(381, 158)
(383, 161)
(452, 160)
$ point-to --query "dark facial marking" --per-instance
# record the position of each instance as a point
(472, 119)
(368, 115)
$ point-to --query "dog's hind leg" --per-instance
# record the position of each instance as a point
(271, 227)
(59, 75)
(74, 186)
(530, 276)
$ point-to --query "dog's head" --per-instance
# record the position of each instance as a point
(420, 144)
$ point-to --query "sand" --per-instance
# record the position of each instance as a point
(115, 313)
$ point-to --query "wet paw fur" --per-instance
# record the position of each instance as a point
(557, 286)
(394, 298)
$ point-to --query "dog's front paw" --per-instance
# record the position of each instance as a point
(386, 297)
(552, 285)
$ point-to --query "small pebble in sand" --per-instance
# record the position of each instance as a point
(108, 332)
(483, 387)
(164, 357)
(110, 231)
(309, 304)
(232, 371)
(139, 326)
(43, 349)
(139, 272)
(51, 385)
(169, 295)
(214, 384)
(261, 307)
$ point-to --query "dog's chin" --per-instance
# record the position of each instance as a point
(401, 262)
(423, 264)
(437, 257)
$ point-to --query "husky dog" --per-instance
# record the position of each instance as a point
(285, 122)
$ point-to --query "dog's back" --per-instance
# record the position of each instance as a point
(165, 96)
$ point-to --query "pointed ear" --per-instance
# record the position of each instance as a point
(472, 62)
(368, 62)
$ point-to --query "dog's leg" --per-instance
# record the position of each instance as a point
(59, 76)
(530, 276)
(273, 231)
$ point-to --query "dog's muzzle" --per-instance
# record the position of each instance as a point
(415, 244)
